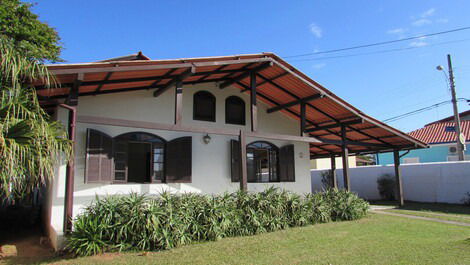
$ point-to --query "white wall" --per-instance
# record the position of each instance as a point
(445, 182)
(210, 163)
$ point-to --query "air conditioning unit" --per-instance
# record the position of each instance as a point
(452, 150)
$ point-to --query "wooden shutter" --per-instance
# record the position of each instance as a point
(287, 163)
(235, 160)
(178, 160)
(99, 158)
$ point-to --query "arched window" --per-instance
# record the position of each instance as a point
(262, 162)
(204, 106)
(139, 157)
(234, 110)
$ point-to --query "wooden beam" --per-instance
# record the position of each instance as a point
(348, 142)
(178, 103)
(345, 157)
(303, 118)
(244, 175)
(333, 171)
(335, 125)
(189, 72)
(253, 107)
(72, 99)
(399, 186)
(295, 102)
(108, 75)
(266, 81)
(192, 129)
(245, 75)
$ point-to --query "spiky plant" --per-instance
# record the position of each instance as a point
(30, 143)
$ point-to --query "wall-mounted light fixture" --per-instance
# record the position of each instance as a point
(206, 139)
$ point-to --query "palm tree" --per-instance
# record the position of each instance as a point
(31, 145)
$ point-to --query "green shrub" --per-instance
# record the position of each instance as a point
(386, 187)
(140, 222)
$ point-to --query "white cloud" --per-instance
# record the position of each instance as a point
(319, 65)
(421, 22)
(428, 13)
(316, 30)
(418, 43)
(396, 31)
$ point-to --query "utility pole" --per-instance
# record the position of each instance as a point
(460, 147)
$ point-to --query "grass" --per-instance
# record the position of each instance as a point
(376, 239)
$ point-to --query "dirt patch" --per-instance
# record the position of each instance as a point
(27, 241)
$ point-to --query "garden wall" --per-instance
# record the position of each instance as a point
(445, 182)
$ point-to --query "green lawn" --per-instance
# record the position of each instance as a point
(376, 239)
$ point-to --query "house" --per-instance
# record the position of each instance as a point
(441, 138)
(208, 125)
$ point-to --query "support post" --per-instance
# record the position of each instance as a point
(70, 171)
(396, 159)
(345, 155)
(460, 145)
(178, 102)
(244, 175)
(333, 172)
(303, 119)
(253, 107)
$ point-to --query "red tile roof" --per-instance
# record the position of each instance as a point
(436, 132)
(451, 117)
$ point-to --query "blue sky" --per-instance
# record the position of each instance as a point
(382, 85)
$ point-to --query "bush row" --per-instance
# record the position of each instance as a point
(140, 222)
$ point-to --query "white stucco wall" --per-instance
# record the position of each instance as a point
(444, 182)
(210, 163)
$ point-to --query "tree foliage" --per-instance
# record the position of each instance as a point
(30, 143)
(32, 38)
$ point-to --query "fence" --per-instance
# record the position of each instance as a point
(445, 182)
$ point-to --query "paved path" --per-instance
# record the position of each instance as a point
(421, 218)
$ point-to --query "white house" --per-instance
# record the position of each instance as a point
(207, 125)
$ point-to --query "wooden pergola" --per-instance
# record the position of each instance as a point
(332, 126)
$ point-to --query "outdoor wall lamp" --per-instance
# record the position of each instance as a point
(206, 139)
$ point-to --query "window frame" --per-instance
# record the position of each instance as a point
(274, 148)
(235, 100)
(127, 137)
(214, 110)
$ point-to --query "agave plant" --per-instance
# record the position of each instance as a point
(30, 143)
(140, 222)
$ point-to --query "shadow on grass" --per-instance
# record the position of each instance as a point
(428, 207)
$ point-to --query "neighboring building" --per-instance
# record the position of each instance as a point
(440, 136)
(186, 125)
(325, 163)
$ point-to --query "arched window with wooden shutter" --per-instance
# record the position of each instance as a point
(99, 157)
(204, 106)
(234, 110)
(179, 156)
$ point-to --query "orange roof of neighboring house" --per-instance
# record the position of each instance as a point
(451, 118)
(437, 133)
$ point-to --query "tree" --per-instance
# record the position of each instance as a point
(32, 38)
(30, 143)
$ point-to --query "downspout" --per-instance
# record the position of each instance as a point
(70, 171)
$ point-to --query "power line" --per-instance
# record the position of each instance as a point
(377, 52)
(378, 43)
(401, 116)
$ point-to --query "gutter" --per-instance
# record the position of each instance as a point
(70, 171)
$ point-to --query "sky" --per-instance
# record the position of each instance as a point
(380, 82)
